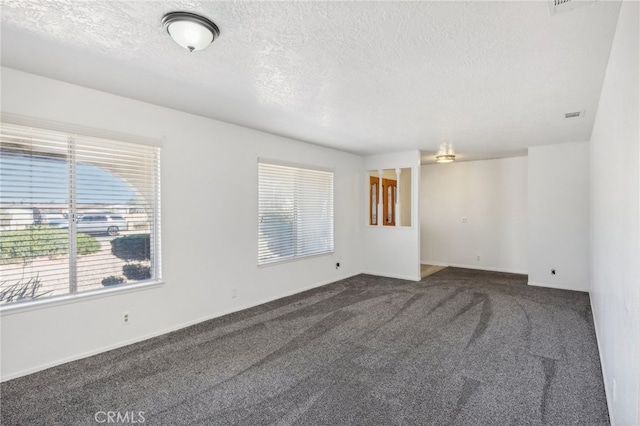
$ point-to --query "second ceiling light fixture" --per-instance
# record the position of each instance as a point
(445, 155)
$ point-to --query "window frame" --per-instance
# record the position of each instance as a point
(303, 167)
(73, 295)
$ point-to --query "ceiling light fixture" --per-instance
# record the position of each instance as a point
(445, 155)
(191, 31)
(445, 158)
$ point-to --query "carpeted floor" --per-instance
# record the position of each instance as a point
(460, 347)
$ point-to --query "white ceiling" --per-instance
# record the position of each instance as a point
(491, 78)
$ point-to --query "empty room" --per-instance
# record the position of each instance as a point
(320, 212)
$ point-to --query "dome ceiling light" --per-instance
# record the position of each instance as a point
(445, 155)
(445, 158)
(191, 31)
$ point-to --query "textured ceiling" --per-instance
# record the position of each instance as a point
(490, 78)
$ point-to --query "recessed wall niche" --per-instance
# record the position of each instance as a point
(389, 197)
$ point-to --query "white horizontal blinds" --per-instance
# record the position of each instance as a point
(34, 196)
(314, 212)
(295, 209)
(116, 201)
(276, 209)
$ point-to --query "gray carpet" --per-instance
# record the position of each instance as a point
(461, 347)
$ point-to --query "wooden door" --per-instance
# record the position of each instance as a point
(389, 199)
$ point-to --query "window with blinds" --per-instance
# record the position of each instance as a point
(295, 212)
(77, 213)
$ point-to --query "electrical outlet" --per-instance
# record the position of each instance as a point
(465, 220)
(126, 319)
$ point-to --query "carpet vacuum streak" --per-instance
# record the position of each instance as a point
(460, 347)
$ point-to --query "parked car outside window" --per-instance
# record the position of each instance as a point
(95, 224)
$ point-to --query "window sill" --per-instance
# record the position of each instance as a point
(20, 307)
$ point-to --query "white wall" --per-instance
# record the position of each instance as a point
(209, 174)
(615, 217)
(392, 251)
(492, 195)
(559, 216)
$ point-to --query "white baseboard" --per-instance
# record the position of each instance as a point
(142, 338)
(607, 394)
(555, 286)
(480, 268)
(400, 277)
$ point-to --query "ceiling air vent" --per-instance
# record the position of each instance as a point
(562, 6)
(576, 114)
